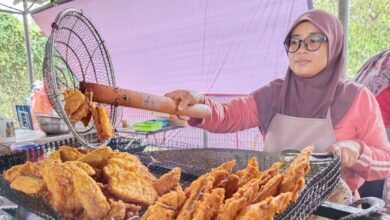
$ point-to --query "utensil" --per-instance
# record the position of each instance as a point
(52, 125)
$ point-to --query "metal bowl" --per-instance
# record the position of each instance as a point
(52, 125)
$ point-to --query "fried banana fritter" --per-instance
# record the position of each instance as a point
(168, 182)
(27, 184)
(102, 122)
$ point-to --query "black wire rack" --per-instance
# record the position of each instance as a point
(323, 176)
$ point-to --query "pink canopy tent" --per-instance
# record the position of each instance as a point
(222, 47)
(219, 47)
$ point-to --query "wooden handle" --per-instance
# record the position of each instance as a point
(123, 97)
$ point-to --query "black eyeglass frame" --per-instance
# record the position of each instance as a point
(323, 39)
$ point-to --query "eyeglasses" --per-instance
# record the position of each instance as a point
(311, 43)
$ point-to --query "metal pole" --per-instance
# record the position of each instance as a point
(11, 12)
(205, 139)
(27, 41)
(344, 18)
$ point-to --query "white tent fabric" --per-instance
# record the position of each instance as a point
(218, 47)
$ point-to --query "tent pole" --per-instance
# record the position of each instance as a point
(28, 45)
(343, 17)
(11, 12)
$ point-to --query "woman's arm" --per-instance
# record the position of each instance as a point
(366, 121)
(236, 115)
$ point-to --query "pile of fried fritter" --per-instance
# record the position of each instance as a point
(100, 184)
(79, 107)
(246, 194)
(106, 184)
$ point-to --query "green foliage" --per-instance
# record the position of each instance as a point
(14, 79)
(369, 29)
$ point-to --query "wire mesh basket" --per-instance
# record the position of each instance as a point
(76, 53)
(321, 180)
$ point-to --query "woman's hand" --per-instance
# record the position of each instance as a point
(348, 150)
(186, 98)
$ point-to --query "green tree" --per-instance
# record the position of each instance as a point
(369, 29)
(14, 79)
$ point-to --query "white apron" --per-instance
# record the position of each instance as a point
(287, 132)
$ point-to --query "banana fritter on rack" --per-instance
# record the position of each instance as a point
(197, 193)
(71, 181)
(28, 184)
(247, 194)
(106, 184)
(293, 178)
(166, 207)
(168, 182)
(267, 209)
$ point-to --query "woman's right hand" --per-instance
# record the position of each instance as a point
(186, 98)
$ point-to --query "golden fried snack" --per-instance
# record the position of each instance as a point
(168, 182)
(271, 188)
(26, 169)
(242, 198)
(272, 171)
(219, 176)
(250, 172)
(84, 111)
(84, 166)
(227, 166)
(27, 184)
(85, 120)
(59, 182)
(131, 162)
(13, 172)
(120, 210)
(293, 177)
(267, 209)
(54, 157)
(293, 180)
(117, 210)
(69, 153)
(102, 122)
(79, 107)
(126, 182)
(90, 195)
(211, 202)
(128, 186)
(194, 193)
(303, 157)
(132, 211)
(166, 208)
(231, 185)
(73, 100)
(97, 158)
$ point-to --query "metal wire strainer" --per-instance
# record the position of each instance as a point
(76, 53)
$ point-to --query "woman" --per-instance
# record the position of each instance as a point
(375, 75)
(311, 105)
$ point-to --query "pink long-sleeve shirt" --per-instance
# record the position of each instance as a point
(362, 123)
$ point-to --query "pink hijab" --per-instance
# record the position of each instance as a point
(375, 73)
(311, 97)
